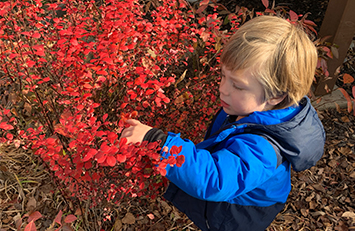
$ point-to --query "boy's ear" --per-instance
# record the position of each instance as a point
(276, 100)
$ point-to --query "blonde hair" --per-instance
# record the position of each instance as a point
(279, 54)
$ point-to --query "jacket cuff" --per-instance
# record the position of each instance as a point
(155, 135)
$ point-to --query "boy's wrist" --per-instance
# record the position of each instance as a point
(154, 135)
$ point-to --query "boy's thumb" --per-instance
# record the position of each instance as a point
(132, 122)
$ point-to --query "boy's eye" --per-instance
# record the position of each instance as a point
(236, 87)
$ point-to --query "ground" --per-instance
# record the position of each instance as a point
(322, 198)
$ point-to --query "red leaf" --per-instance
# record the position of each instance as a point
(34, 216)
(121, 158)
(104, 117)
(293, 16)
(74, 42)
(201, 8)
(204, 2)
(149, 92)
(5, 126)
(101, 159)
(309, 22)
(9, 136)
(111, 161)
(123, 105)
(347, 78)
(266, 3)
(353, 91)
(70, 218)
(26, 33)
(91, 153)
(123, 141)
(141, 185)
(102, 72)
(107, 60)
(162, 172)
(134, 114)
(58, 218)
(36, 35)
(180, 160)
(30, 63)
(88, 86)
(175, 150)
(30, 227)
(348, 99)
(112, 137)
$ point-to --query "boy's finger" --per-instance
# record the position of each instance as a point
(132, 122)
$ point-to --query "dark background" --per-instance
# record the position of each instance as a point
(316, 8)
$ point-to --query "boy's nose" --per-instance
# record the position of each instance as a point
(223, 88)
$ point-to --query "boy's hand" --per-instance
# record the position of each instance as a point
(136, 132)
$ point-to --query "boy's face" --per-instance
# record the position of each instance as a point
(241, 94)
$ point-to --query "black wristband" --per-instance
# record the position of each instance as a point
(154, 135)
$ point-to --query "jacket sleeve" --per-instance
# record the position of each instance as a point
(245, 162)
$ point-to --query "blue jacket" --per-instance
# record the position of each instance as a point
(239, 177)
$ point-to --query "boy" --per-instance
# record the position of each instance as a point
(239, 177)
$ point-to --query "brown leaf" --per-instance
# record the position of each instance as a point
(118, 225)
(345, 119)
(332, 163)
(129, 219)
(345, 150)
(67, 227)
(312, 205)
(318, 213)
(18, 221)
(304, 212)
(308, 199)
(349, 215)
(166, 206)
(341, 226)
(31, 204)
(319, 187)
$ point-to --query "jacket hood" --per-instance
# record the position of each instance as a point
(300, 139)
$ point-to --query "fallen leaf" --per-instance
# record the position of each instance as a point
(18, 221)
(129, 219)
(31, 204)
(319, 187)
(312, 205)
(345, 119)
(345, 150)
(332, 163)
(349, 214)
(58, 218)
(318, 213)
(305, 212)
(34, 216)
(347, 78)
(30, 227)
(70, 218)
(118, 225)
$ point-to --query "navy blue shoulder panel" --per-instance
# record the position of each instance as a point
(213, 125)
